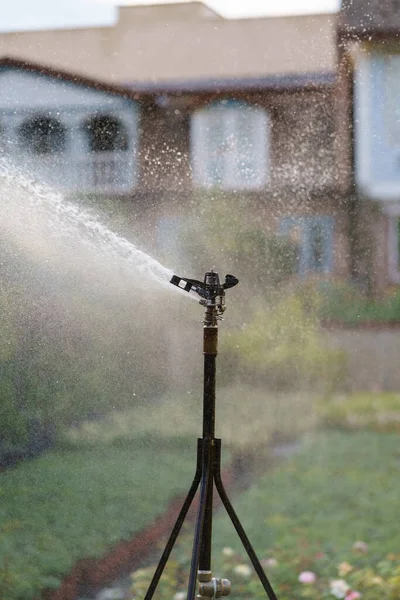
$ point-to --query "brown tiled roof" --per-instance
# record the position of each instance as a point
(362, 18)
(154, 45)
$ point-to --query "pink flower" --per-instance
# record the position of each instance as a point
(353, 595)
(307, 577)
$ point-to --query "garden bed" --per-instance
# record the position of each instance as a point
(323, 524)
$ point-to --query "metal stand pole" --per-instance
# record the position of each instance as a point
(208, 473)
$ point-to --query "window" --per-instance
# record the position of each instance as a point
(313, 237)
(229, 146)
(42, 135)
(105, 133)
(394, 248)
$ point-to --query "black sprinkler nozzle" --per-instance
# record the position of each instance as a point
(210, 290)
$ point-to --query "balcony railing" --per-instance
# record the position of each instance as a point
(103, 173)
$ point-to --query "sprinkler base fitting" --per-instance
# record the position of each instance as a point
(212, 587)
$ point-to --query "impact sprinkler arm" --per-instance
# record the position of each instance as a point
(211, 292)
(208, 469)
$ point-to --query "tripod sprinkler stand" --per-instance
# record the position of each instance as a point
(208, 469)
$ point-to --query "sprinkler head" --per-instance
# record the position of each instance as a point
(211, 292)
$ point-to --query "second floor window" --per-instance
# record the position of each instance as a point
(105, 133)
(230, 146)
(42, 135)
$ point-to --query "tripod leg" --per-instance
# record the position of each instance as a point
(202, 546)
(178, 525)
(237, 524)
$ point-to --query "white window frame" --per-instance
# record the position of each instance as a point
(76, 169)
(393, 213)
(304, 225)
(217, 156)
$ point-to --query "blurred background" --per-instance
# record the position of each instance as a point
(142, 140)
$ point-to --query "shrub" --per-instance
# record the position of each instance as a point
(230, 232)
(281, 347)
(347, 304)
(13, 425)
(362, 410)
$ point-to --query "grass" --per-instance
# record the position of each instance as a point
(307, 514)
(342, 488)
(339, 489)
(65, 506)
(111, 478)
(247, 419)
(362, 411)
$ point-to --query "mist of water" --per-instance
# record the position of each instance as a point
(41, 221)
(82, 297)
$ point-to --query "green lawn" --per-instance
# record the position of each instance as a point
(65, 506)
(110, 479)
(247, 419)
(339, 489)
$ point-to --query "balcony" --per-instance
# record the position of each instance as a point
(101, 173)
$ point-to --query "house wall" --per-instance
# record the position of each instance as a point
(373, 182)
(302, 155)
(24, 90)
(304, 172)
(303, 179)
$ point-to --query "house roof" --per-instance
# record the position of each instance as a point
(363, 18)
(149, 89)
(249, 84)
(61, 75)
(152, 45)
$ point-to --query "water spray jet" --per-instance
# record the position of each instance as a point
(208, 467)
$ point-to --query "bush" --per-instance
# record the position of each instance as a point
(13, 425)
(345, 303)
(229, 232)
(360, 411)
(68, 353)
(281, 347)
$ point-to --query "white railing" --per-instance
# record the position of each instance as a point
(103, 173)
(106, 172)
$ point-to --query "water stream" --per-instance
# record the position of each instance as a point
(43, 222)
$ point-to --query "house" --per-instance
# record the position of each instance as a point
(174, 99)
(75, 134)
(369, 45)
